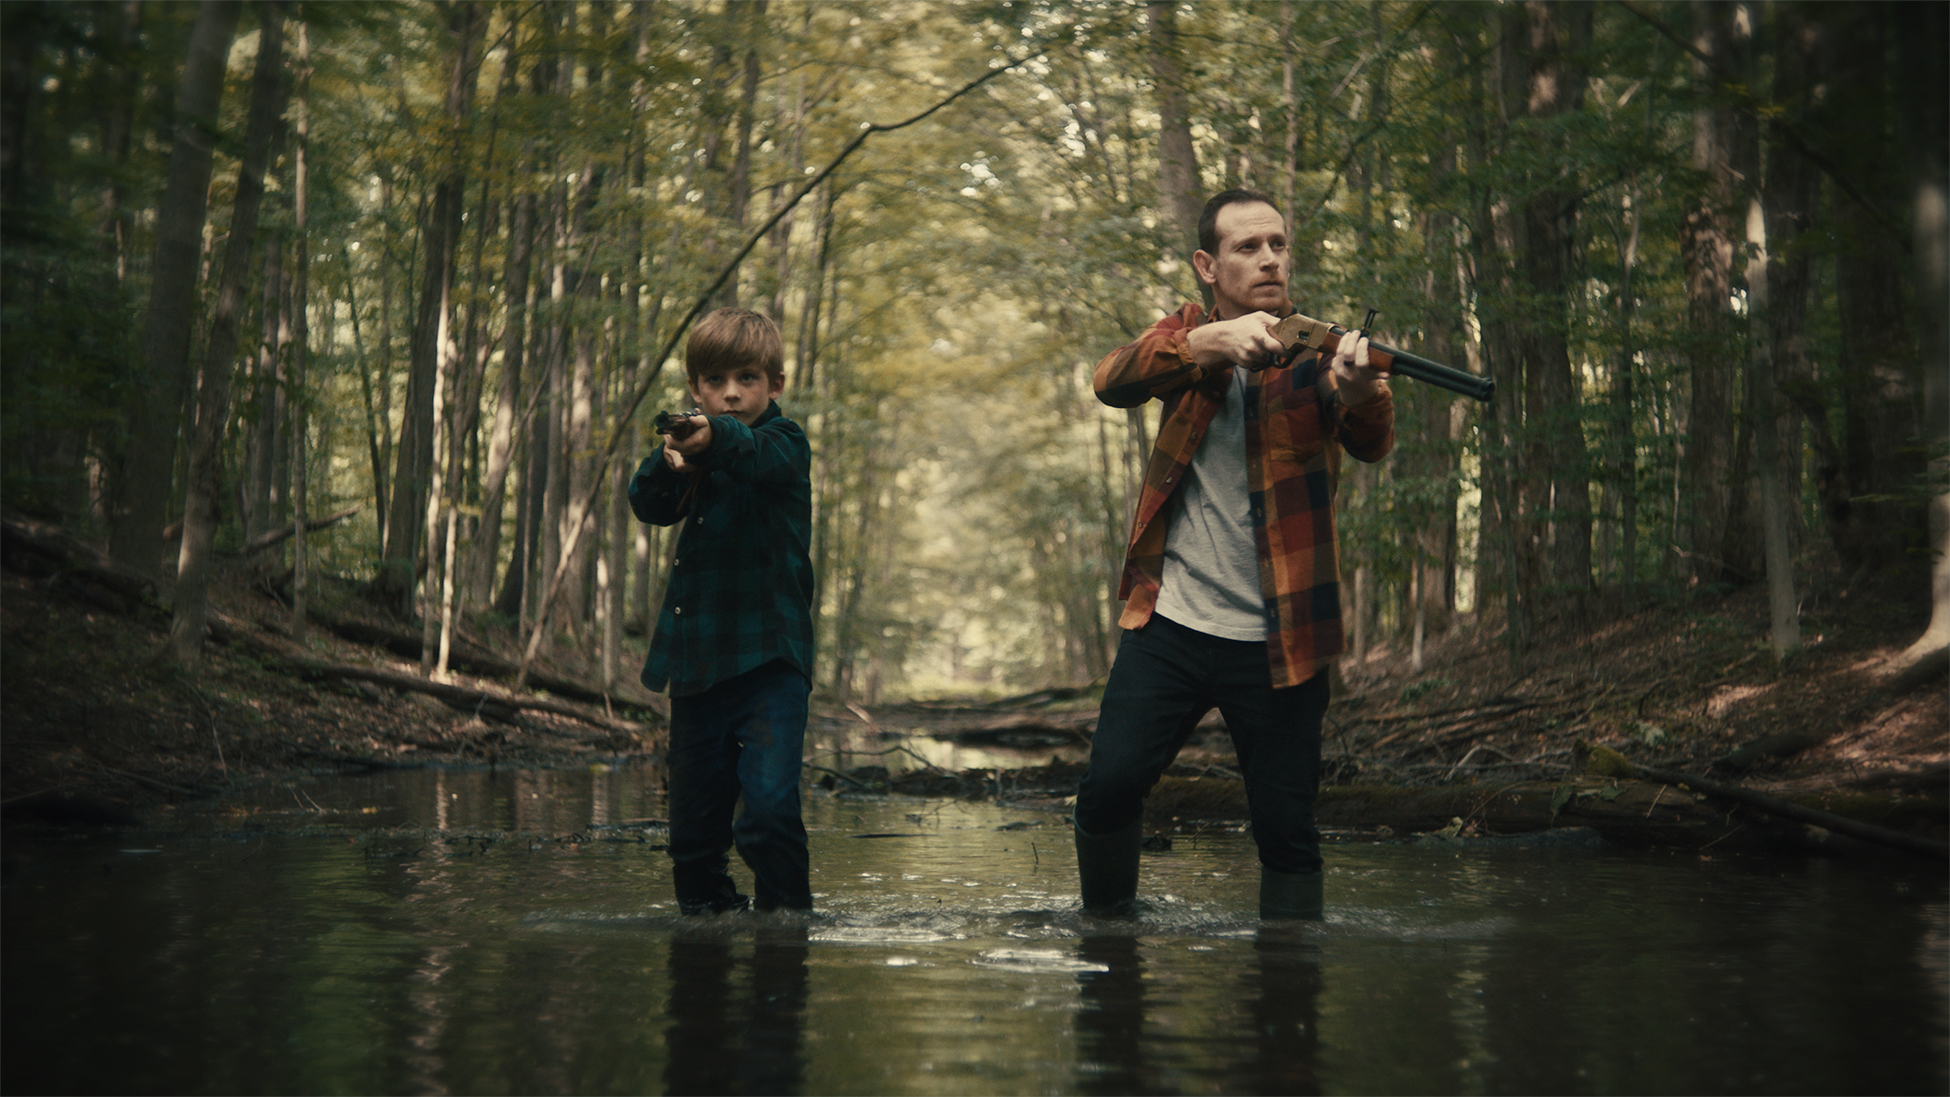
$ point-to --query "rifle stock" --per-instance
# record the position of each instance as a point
(1298, 331)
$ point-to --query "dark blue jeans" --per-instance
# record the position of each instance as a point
(1165, 679)
(742, 737)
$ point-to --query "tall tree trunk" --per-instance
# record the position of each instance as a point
(505, 451)
(641, 341)
(467, 23)
(461, 368)
(378, 436)
(438, 589)
(155, 404)
(1718, 132)
(1923, 34)
(578, 458)
(1494, 288)
(1180, 196)
(257, 482)
(118, 123)
(514, 599)
(185, 644)
(1781, 359)
(1867, 480)
(741, 166)
(1438, 421)
(1559, 510)
(486, 548)
(412, 478)
(1625, 468)
(1776, 211)
(1290, 161)
(563, 282)
(614, 584)
(301, 334)
(389, 442)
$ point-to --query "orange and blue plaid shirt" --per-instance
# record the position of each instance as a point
(1296, 427)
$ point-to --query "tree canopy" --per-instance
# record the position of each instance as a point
(1700, 247)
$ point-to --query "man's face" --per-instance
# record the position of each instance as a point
(1249, 272)
(742, 393)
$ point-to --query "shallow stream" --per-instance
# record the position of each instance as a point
(516, 933)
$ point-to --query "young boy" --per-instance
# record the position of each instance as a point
(734, 639)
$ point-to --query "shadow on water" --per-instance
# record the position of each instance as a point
(476, 933)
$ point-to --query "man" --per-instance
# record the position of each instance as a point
(1231, 581)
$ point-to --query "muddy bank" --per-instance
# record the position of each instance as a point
(1627, 812)
(99, 732)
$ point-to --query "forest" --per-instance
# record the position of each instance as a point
(387, 295)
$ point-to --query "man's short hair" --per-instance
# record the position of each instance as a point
(728, 338)
(1208, 221)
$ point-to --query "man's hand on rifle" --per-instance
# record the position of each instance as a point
(1246, 341)
(1357, 381)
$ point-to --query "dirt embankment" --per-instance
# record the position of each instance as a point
(97, 730)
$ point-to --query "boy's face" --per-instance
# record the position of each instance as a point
(742, 393)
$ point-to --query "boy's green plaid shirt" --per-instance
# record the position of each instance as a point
(741, 585)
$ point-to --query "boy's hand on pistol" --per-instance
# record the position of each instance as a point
(694, 442)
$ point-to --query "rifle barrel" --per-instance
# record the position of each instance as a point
(1435, 373)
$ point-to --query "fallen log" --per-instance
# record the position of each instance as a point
(1784, 744)
(497, 705)
(1465, 718)
(273, 536)
(1606, 762)
(74, 559)
(77, 560)
(408, 645)
(1635, 815)
(1024, 731)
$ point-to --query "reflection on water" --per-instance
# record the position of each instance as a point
(736, 1022)
(517, 933)
(846, 745)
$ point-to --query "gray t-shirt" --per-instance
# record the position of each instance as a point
(1211, 579)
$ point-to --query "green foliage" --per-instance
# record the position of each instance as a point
(944, 293)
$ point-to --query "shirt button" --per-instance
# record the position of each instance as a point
(679, 610)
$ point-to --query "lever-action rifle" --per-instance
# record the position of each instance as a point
(1297, 331)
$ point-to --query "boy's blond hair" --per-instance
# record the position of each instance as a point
(728, 338)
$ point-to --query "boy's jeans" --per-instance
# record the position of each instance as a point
(1165, 678)
(741, 736)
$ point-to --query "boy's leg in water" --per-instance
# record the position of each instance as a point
(703, 793)
(770, 831)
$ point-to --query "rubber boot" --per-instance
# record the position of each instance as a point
(1290, 895)
(1107, 868)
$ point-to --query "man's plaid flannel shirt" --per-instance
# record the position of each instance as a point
(741, 585)
(1291, 416)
